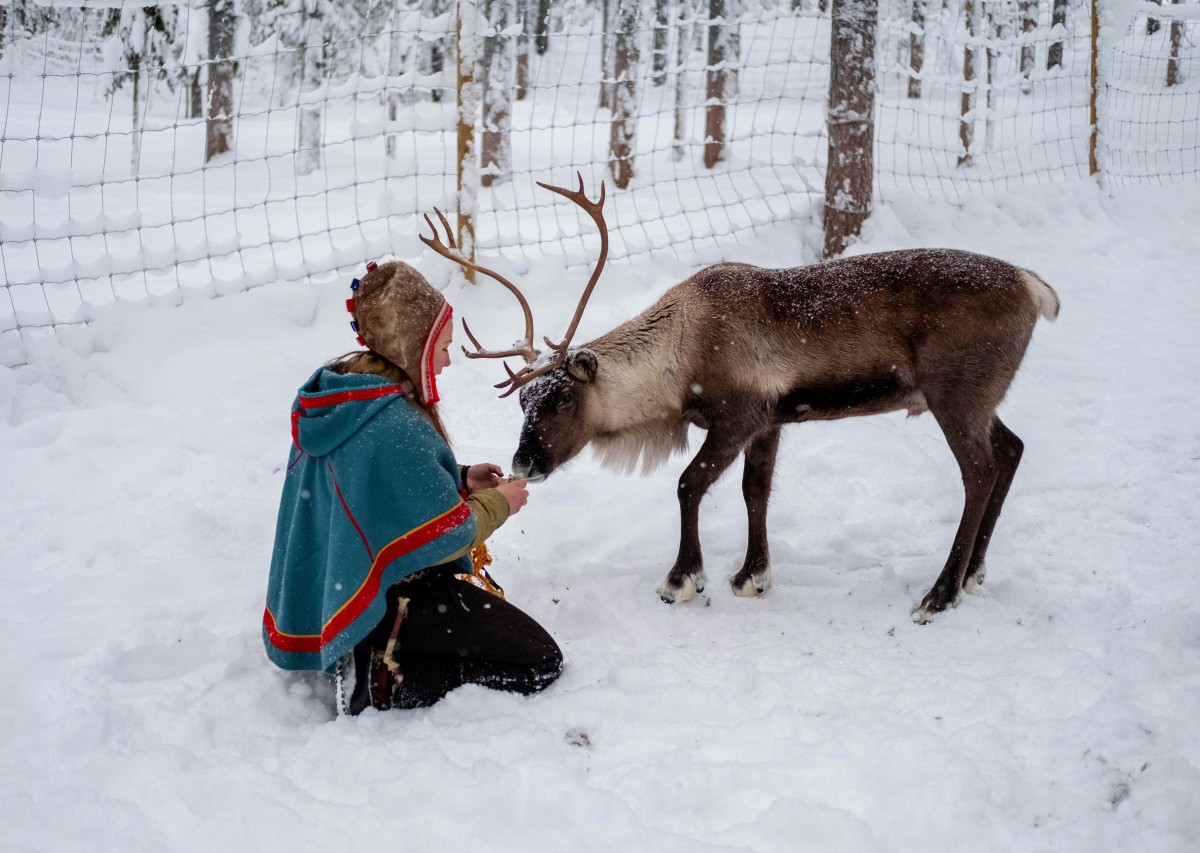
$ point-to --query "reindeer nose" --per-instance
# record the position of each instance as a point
(527, 470)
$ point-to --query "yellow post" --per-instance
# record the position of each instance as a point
(467, 183)
(1093, 166)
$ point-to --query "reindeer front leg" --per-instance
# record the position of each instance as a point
(686, 577)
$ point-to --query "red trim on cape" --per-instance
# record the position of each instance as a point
(429, 392)
(323, 400)
(349, 514)
(336, 397)
(365, 594)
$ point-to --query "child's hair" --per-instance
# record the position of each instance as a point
(365, 361)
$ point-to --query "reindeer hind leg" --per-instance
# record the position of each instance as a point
(1007, 449)
(755, 575)
(971, 444)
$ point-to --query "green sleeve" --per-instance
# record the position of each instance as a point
(490, 509)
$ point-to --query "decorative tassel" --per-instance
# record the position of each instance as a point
(480, 559)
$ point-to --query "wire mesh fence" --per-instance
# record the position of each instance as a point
(152, 151)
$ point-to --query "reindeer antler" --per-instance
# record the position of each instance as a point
(595, 209)
(528, 373)
(528, 352)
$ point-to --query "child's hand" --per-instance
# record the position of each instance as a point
(516, 492)
(485, 475)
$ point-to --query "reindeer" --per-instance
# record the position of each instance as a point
(740, 351)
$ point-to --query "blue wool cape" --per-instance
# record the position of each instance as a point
(372, 494)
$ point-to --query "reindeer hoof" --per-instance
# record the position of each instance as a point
(931, 604)
(687, 588)
(973, 582)
(752, 586)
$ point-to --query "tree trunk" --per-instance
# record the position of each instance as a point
(1029, 19)
(466, 106)
(524, 8)
(1058, 18)
(433, 53)
(720, 82)
(623, 135)
(195, 93)
(916, 48)
(496, 79)
(661, 44)
(966, 122)
(135, 154)
(1152, 24)
(849, 175)
(994, 33)
(397, 59)
(1176, 39)
(222, 26)
(607, 50)
(542, 42)
(310, 117)
(683, 41)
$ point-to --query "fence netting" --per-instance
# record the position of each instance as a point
(152, 151)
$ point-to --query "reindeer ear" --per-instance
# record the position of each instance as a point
(581, 365)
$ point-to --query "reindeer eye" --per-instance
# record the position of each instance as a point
(567, 398)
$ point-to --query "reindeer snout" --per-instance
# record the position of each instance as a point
(527, 470)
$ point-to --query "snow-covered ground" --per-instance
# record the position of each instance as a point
(1058, 710)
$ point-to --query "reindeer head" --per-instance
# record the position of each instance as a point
(557, 425)
(551, 404)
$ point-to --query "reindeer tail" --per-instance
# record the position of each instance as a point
(1043, 294)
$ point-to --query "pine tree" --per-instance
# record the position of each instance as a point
(145, 38)
(222, 26)
(626, 57)
(496, 78)
(849, 174)
(721, 77)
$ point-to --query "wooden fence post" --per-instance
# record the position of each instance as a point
(1094, 81)
(467, 101)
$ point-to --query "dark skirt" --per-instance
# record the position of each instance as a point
(452, 634)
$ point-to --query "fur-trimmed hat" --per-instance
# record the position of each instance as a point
(399, 315)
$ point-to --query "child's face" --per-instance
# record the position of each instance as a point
(441, 349)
